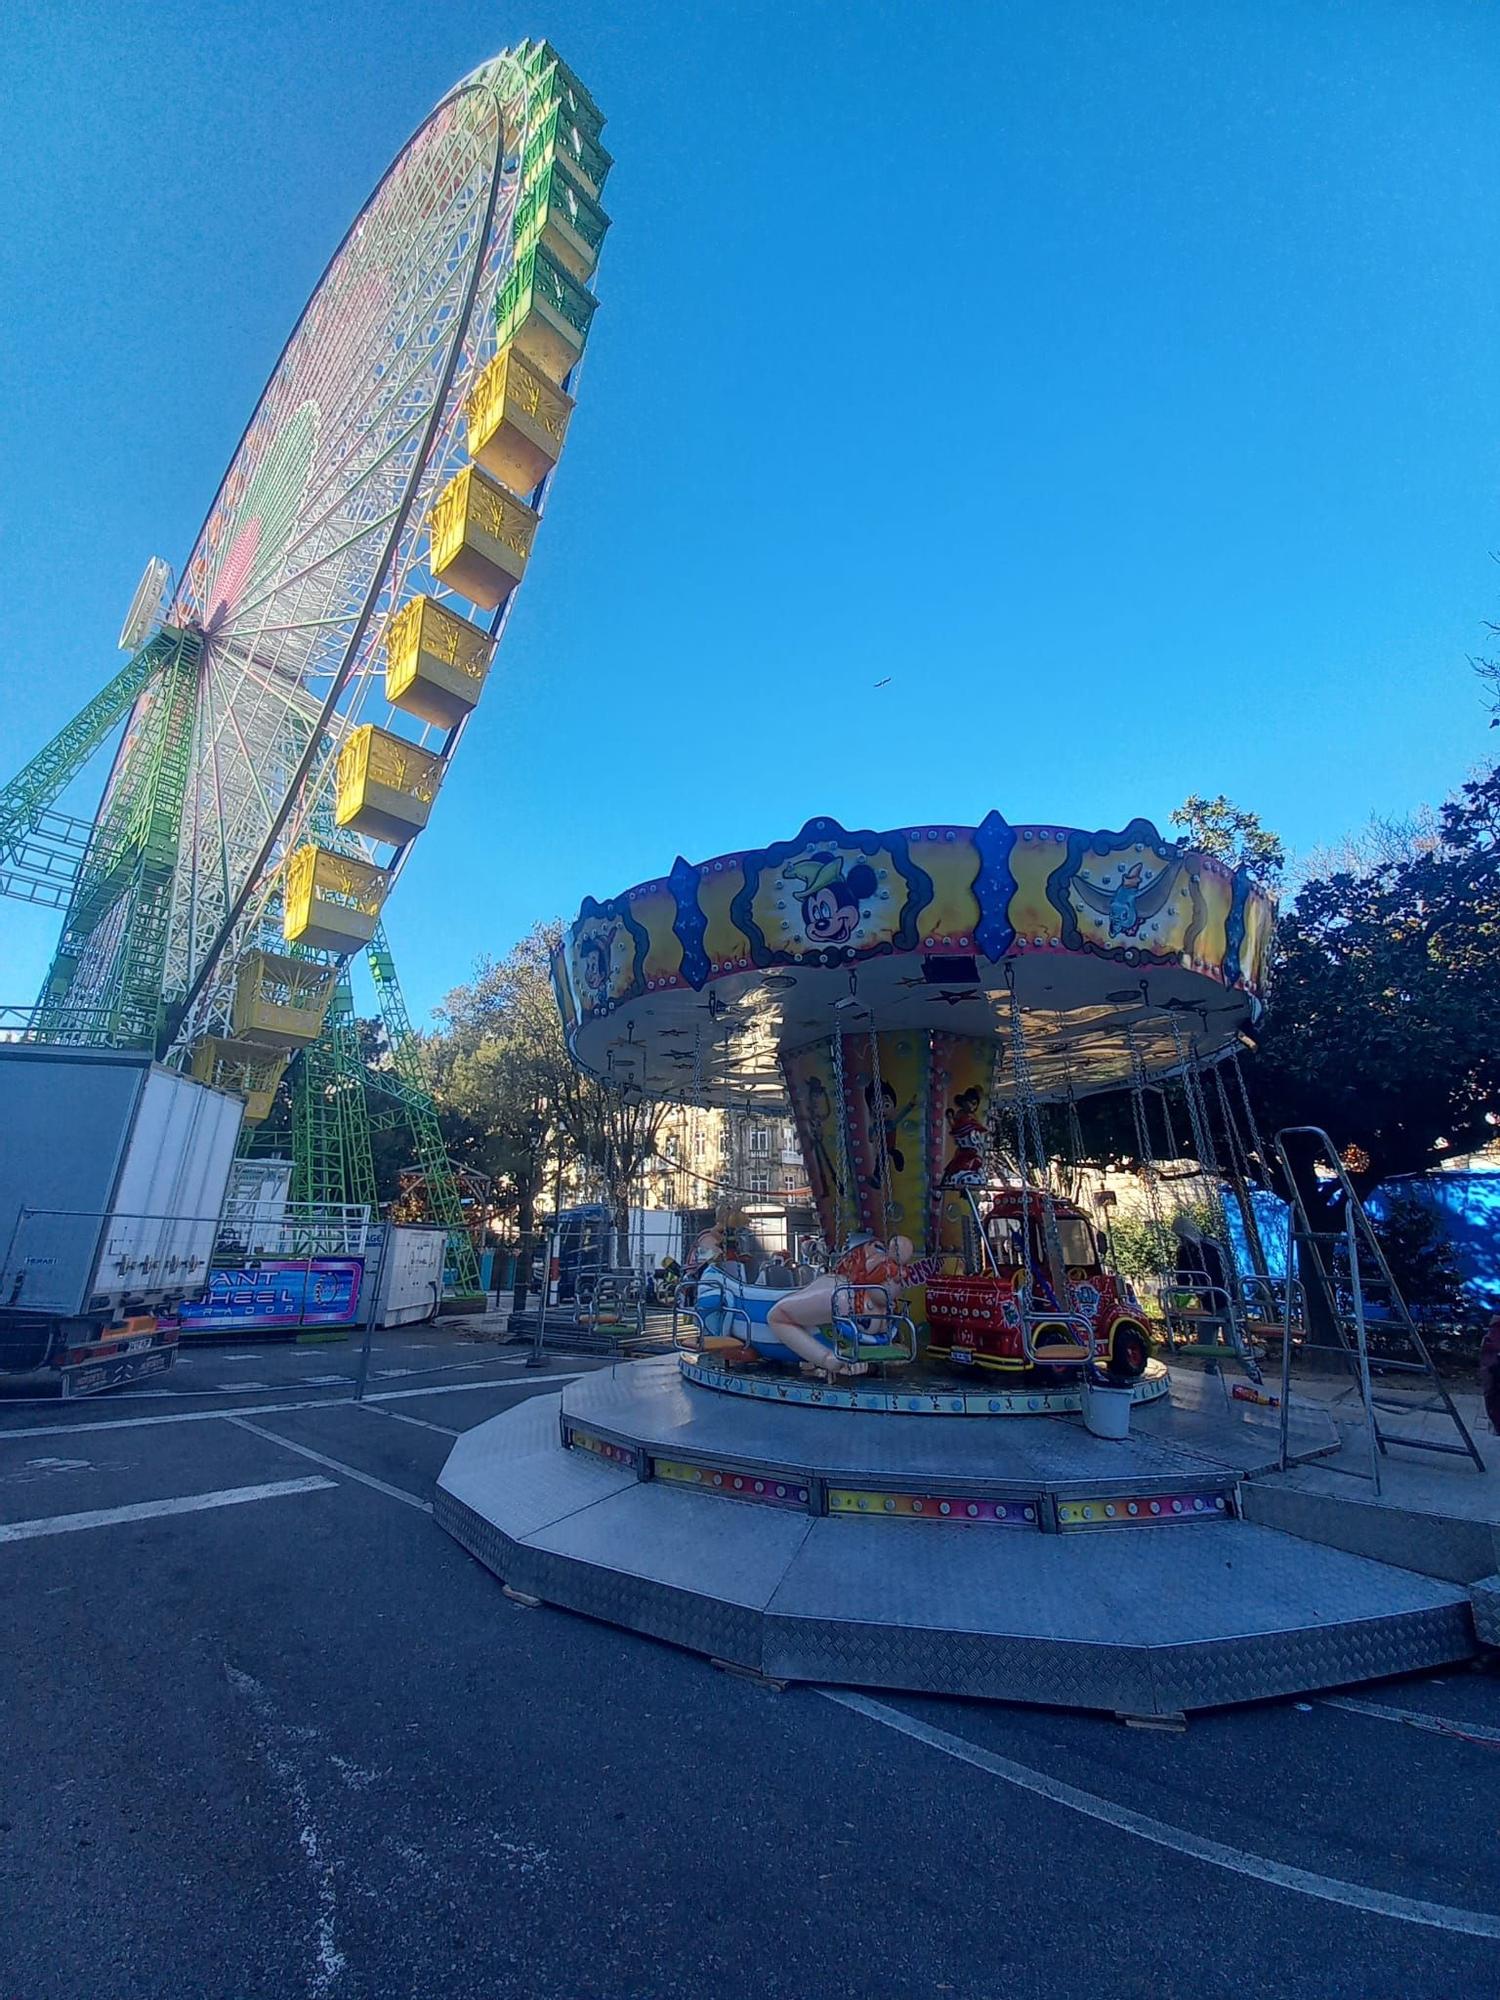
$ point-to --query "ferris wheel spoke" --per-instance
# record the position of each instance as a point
(249, 764)
(402, 442)
(365, 529)
(261, 706)
(381, 391)
(340, 451)
(405, 407)
(394, 441)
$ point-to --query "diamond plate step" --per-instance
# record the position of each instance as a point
(1150, 1624)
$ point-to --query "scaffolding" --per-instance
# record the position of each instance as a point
(333, 1161)
(444, 1197)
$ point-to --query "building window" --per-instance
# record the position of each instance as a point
(760, 1180)
(760, 1140)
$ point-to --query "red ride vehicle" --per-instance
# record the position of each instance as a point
(989, 1318)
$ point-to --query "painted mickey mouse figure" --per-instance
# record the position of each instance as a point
(831, 897)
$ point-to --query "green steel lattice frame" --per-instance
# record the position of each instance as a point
(131, 864)
(443, 1194)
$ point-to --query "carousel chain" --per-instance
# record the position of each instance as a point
(1191, 1071)
(1192, 1077)
(997, 1079)
(1142, 1123)
(1249, 1109)
(1075, 1143)
(877, 1119)
(1174, 1151)
(841, 1133)
(1239, 1174)
(1031, 1147)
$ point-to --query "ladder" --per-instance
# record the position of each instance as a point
(1349, 1270)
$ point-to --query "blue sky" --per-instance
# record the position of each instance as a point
(1119, 380)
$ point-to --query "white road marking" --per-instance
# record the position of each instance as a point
(329, 1962)
(399, 1417)
(456, 1388)
(150, 1510)
(1326, 1888)
(333, 1464)
(266, 1409)
(1438, 1725)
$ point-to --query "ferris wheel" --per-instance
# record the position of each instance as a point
(294, 702)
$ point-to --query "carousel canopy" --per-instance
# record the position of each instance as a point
(1117, 946)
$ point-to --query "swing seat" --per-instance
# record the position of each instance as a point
(888, 1353)
(896, 1346)
(855, 1307)
(693, 1337)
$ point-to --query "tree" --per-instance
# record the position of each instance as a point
(1229, 833)
(493, 1064)
(1419, 1250)
(1381, 1027)
(501, 1065)
(1488, 669)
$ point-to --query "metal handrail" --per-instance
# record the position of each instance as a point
(1357, 1229)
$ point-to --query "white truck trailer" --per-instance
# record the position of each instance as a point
(112, 1176)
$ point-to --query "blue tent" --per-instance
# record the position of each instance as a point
(1467, 1205)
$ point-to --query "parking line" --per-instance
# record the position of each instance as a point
(333, 1464)
(265, 1409)
(1437, 1725)
(461, 1388)
(400, 1417)
(1326, 1888)
(150, 1510)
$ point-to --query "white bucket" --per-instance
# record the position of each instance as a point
(1106, 1411)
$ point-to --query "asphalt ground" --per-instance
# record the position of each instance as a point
(287, 1739)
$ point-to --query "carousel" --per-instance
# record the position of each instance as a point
(935, 1006)
(929, 1003)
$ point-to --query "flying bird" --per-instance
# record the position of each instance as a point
(886, 682)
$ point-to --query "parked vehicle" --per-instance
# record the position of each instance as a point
(112, 1177)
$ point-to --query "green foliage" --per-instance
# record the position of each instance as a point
(1219, 827)
(1142, 1249)
(493, 1063)
(511, 1096)
(1419, 1251)
(1381, 1027)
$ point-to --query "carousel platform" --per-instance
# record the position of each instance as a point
(1016, 1557)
